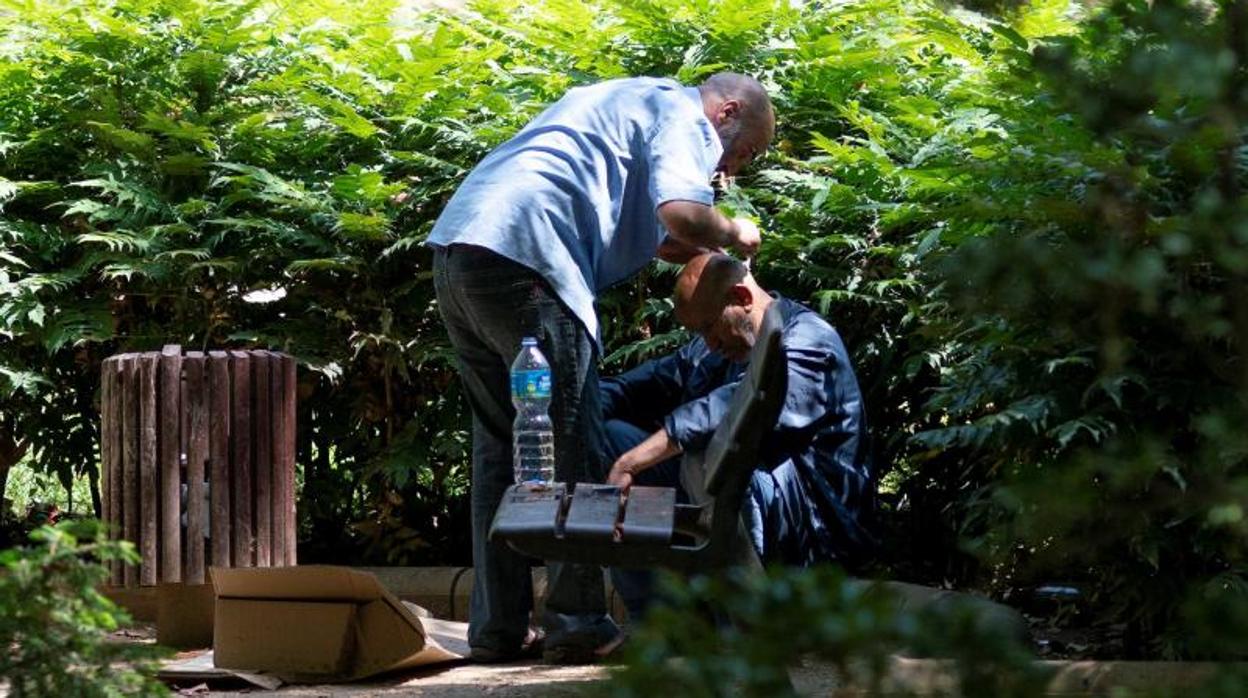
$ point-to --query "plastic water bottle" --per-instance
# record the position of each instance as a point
(533, 445)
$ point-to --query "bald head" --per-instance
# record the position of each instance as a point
(717, 298)
(755, 104)
(706, 281)
(739, 108)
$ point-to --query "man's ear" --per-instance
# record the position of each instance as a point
(741, 295)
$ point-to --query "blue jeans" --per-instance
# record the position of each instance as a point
(489, 303)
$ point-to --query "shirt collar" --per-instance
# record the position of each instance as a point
(694, 95)
(713, 144)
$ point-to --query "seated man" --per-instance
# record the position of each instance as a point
(804, 500)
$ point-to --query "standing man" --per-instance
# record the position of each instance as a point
(581, 198)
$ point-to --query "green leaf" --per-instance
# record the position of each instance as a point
(358, 226)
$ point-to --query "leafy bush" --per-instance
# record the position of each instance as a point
(54, 623)
(739, 634)
(1027, 226)
(1101, 377)
(164, 160)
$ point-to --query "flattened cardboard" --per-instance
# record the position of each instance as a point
(315, 623)
(198, 667)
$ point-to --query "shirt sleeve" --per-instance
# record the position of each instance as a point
(646, 393)
(692, 424)
(679, 167)
(809, 401)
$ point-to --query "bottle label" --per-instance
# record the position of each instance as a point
(531, 384)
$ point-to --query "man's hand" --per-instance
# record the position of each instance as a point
(700, 225)
(620, 476)
(748, 238)
(677, 252)
(655, 448)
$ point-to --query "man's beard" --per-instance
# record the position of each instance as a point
(745, 330)
(728, 134)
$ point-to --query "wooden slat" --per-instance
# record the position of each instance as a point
(108, 456)
(240, 436)
(277, 407)
(289, 430)
(194, 405)
(117, 493)
(129, 425)
(650, 516)
(170, 464)
(148, 479)
(219, 456)
(593, 514)
(105, 485)
(262, 434)
(117, 496)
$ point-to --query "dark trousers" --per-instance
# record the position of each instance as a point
(636, 586)
(489, 303)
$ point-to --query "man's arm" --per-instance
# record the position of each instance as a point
(657, 448)
(677, 252)
(645, 393)
(690, 426)
(809, 400)
(696, 225)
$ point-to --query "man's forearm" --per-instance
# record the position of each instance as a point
(698, 225)
(657, 448)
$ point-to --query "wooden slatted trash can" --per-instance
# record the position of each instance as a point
(197, 462)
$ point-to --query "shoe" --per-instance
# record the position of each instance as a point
(578, 642)
(612, 652)
(531, 648)
(570, 654)
(609, 653)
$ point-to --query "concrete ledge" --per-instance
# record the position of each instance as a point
(139, 602)
(1091, 679)
(444, 591)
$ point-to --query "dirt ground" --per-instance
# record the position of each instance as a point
(453, 680)
(810, 678)
(525, 679)
(521, 680)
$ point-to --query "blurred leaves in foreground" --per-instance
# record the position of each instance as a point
(55, 624)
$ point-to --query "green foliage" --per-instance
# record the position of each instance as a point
(55, 624)
(1027, 226)
(165, 160)
(1104, 353)
(739, 634)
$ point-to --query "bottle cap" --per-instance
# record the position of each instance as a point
(528, 342)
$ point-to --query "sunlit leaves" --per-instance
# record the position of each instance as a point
(159, 160)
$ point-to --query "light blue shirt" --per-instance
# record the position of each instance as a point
(574, 195)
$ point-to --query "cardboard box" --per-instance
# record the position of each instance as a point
(184, 615)
(315, 623)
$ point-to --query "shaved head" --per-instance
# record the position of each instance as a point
(756, 108)
(718, 299)
(706, 281)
